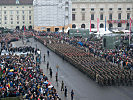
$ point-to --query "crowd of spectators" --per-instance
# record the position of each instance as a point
(21, 76)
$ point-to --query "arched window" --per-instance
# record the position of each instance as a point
(83, 26)
(127, 26)
(101, 25)
(73, 26)
(30, 27)
(119, 25)
(92, 26)
(17, 27)
(110, 25)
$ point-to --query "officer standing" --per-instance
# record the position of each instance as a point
(44, 57)
(65, 91)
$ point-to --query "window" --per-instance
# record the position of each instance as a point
(5, 22)
(83, 16)
(23, 7)
(29, 17)
(73, 17)
(23, 17)
(17, 22)
(83, 26)
(119, 15)
(66, 8)
(4, 12)
(110, 16)
(128, 15)
(119, 25)
(128, 8)
(29, 12)
(11, 17)
(29, 6)
(110, 25)
(17, 12)
(11, 12)
(23, 22)
(92, 26)
(119, 8)
(17, 17)
(11, 22)
(92, 9)
(73, 26)
(83, 9)
(30, 22)
(73, 9)
(4, 7)
(101, 16)
(5, 18)
(101, 26)
(92, 16)
(22, 12)
(110, 9)
(101, 9)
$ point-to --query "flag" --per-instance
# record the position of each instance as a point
(90, 25)
(130, 27)
(105, 23)
(24, 28)
(97, 24)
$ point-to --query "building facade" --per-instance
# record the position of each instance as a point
(115, 13)
(15, 14)
(52, 15)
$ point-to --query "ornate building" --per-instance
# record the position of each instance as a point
(52, 15)
(15, 14)
(116, 13)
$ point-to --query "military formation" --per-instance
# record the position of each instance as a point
(98, 69)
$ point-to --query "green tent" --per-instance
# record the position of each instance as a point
(79, 33)
(111, 41)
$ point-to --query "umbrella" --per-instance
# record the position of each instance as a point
(30, 67)
(80, 43)
(50, 86)
(10, 73)
(49, 83)
(46, 82)
(11, 70)
(1, 87)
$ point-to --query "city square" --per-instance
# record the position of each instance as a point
(66, 50)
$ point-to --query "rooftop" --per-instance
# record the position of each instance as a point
(16, 2)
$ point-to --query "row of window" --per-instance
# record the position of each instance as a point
(17, 17)
(101, 25)
(17, 7)
(17, 12)
(101, 16)
(101, 9)
(18, 22)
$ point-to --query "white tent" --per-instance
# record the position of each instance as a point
(103, 32)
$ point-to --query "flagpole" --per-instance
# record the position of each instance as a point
(105, 23)
(90, 24)
(97, 25)
(130, 32)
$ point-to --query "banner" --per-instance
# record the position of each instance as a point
(97, 24)
(90, 25)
